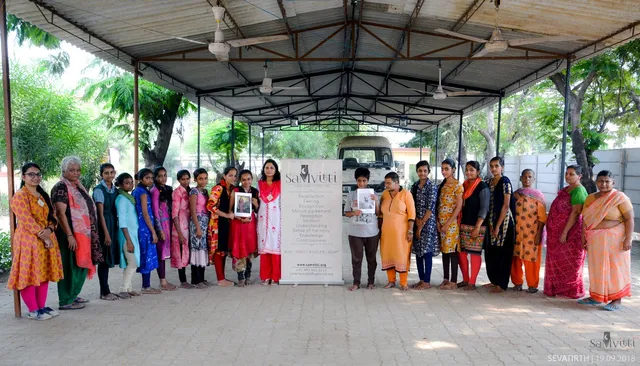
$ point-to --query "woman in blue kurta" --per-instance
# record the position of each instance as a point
(147, 236)
(127, 233)
(425, 242)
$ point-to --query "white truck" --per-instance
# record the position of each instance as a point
(371, 152)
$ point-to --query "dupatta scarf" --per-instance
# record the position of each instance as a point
(82, 209)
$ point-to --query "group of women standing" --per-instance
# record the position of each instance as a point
(138, 223)
(462, 220)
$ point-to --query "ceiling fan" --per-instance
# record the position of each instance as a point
(220, 48)
(267, 84)
(440, 93)
(497, 43)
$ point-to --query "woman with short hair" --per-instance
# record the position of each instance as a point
(77, 233)
(104, 196)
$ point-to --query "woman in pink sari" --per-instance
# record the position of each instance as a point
(565, 255)
(608, 231)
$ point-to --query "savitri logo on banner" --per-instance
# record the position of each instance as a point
(311, 222)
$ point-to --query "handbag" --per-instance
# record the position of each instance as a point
(469, 243)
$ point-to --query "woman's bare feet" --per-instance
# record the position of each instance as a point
(354, 287)
(265, 282)
(167, 286)
(417, 284)
(444, 284)
(488, 285)
(225, 283)
(151, 291)
(462, 284)
(241, 283)
(496, 290)
(371, 286)
(470, 287)
(423, 286)
(390, 285)
(404, 288)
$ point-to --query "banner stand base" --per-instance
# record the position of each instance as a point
(324, 283)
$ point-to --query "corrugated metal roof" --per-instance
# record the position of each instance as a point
(140, 28)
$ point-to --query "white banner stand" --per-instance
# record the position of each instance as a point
(311, 222)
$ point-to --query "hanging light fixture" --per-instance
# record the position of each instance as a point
(295, 122)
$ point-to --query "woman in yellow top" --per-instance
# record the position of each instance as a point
(448, 208)
(398, 215)
(607, 233)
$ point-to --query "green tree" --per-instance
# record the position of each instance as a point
(604, 92)
(159, 110)
(47, 127)
(26, 32)
(216, 142)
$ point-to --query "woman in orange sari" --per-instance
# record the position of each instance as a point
(608, 230)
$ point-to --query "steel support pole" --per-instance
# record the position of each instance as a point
(565, 122)
(233, 139)
(8, 136)
(262, 137)
(249, 126)
(459, 147)
(499, 122)
(435, 159)
(198, 156)
(420, 145)
(136, 117)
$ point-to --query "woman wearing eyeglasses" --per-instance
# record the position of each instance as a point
(36, 256)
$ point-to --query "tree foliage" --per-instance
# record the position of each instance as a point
(159, 110)
(217, 142)
(47, 127)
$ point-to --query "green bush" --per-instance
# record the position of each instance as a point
(5, 251)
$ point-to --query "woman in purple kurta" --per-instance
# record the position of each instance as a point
(161, 206)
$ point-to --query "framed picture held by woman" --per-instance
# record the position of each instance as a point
(242, 207)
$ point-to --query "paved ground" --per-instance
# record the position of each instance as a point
(283, 325)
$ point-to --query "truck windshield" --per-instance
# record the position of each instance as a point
(378, 157)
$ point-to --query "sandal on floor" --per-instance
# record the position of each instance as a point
(461, 284)
(187, 285)
(532, 290)
(226, 283)
(417, 284)
(265, 282)
(72, 306)
(612, 307)
(206, 283)
(134, 293)
(404, 288)
(123, 295)
(517, 288)
(390, 285)
(371, 286)
(355, 286)
(201, 285)
(80, 300)
(110, 297)
(588, 301)
(489, 285)
(496, 290)
(470, 287)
